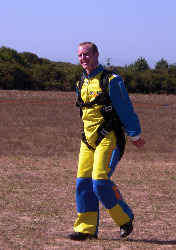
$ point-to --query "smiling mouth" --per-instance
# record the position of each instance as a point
(84, 64)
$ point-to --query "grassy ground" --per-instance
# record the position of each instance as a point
(40, 139)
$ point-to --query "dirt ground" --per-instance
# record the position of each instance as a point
(40, 140)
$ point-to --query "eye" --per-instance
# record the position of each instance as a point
(83, 55)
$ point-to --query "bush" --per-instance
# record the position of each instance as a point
(29, 72)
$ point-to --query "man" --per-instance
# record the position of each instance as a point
(99, 157)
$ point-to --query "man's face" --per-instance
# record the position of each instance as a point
(87, 58)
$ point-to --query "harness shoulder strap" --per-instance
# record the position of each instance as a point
(104, 82)
(102, 98)
(79, 101)
(81, 81)
(116, 123)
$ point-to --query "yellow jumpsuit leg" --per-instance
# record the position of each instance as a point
(94, 185)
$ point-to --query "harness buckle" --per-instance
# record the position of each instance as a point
(107, 108)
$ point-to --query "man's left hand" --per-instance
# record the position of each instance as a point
(139, 143)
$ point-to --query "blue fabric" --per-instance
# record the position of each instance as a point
(86, 200)
(105, 193)
(123, 106)
(94, 72)
(114, 161)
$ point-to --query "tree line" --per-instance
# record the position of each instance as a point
(26, 71)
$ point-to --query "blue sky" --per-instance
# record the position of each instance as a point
(124, 30)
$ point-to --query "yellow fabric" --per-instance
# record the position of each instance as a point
(92, 116)
(95, 164)
(86, 222)
(118, 215)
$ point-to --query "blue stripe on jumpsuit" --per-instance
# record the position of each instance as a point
(86, 199)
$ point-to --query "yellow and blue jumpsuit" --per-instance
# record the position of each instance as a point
(95, 168)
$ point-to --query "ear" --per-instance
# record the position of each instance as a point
(97, 54)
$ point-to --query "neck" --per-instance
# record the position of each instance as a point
(89, 71)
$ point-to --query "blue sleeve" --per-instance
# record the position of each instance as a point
(123, 106)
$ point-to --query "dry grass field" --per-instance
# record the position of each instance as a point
(40, 139)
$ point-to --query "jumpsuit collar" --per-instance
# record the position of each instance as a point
(94, 72)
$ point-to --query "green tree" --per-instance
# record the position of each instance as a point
(141, 64)
(162, 64)
(172, 69)
(14, 76)
(28, 59)
(9, 55)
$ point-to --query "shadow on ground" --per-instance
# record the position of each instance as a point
(151, 241)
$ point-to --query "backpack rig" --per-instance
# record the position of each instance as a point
(111, 119)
